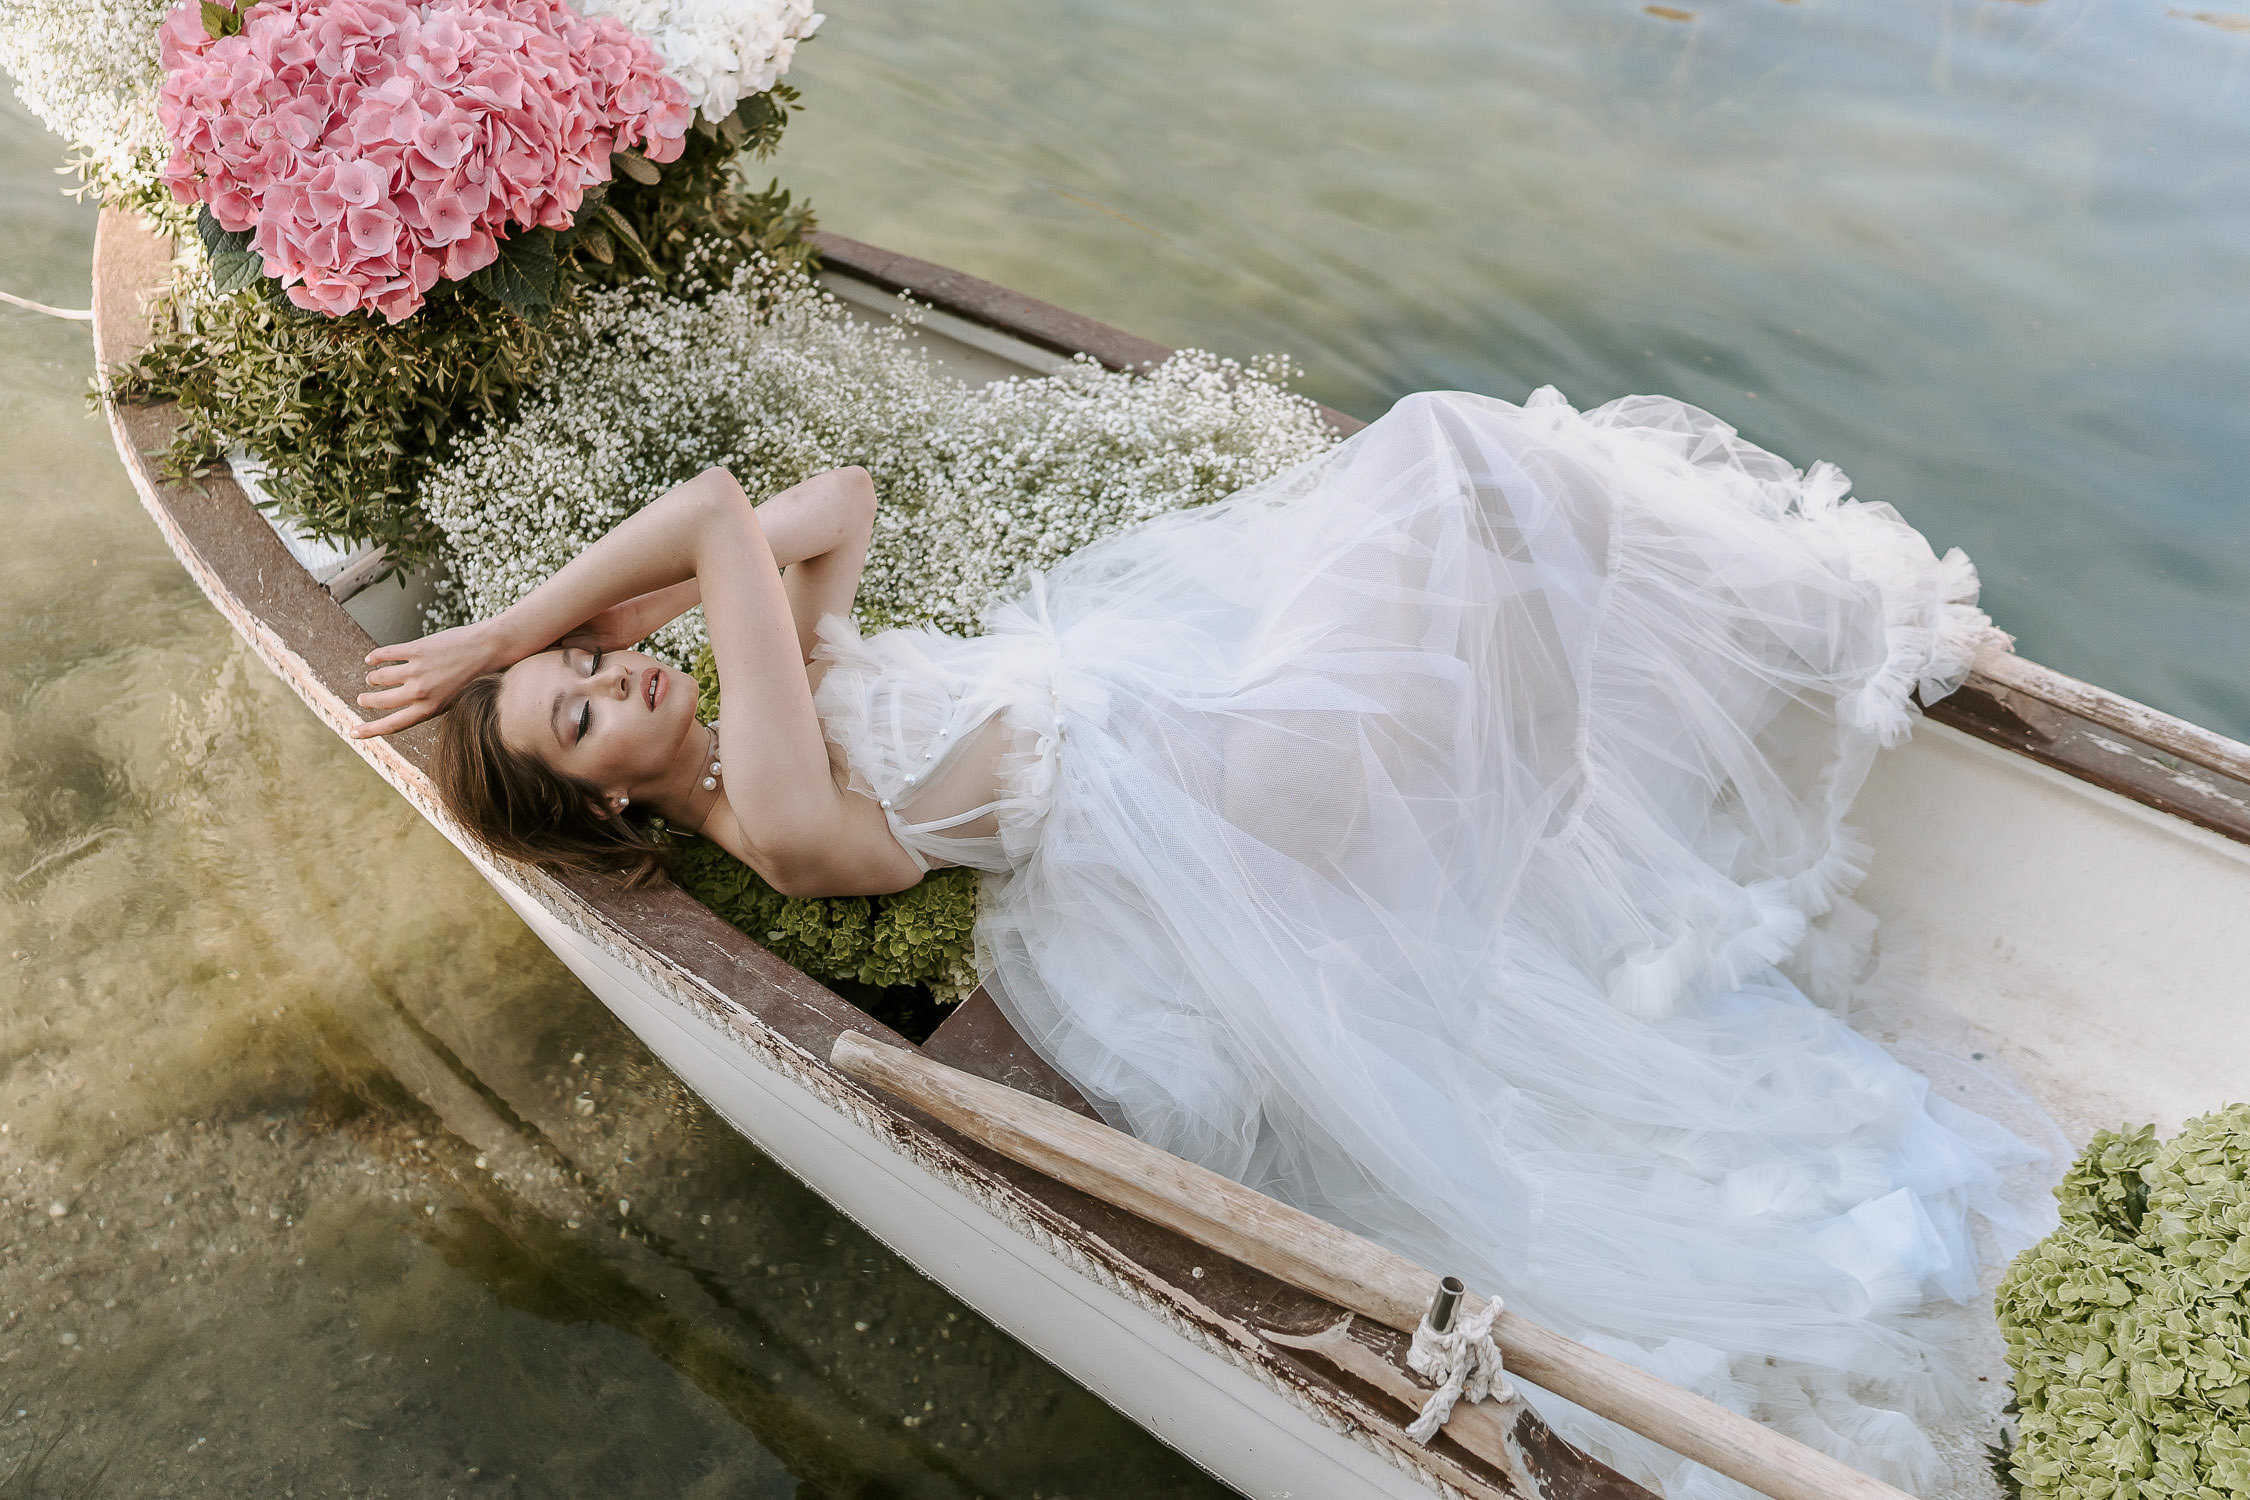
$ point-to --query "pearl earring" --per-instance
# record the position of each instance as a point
(711, 779)
(623, 803)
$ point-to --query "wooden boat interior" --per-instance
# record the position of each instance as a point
(2070, 866)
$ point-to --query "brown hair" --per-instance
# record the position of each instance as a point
(519, 806)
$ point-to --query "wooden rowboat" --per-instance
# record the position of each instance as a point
(2070, 864)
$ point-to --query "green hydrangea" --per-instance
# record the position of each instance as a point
(2129, 1326)
(2105, 1184)
(920, 936)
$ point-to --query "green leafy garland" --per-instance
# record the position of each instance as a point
(921, 935)
(348, 414)
(2129, 1326)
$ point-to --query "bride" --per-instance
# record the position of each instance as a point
(1414, 837)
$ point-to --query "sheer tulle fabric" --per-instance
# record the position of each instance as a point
(1414, 838)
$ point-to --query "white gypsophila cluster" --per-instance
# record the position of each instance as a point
(776, 381)
(724, 51)
(88, 69)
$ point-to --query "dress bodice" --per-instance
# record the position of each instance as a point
(956, 738)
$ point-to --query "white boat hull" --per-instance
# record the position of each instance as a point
(1199, 1402)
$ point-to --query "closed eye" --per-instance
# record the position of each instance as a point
(586, 709)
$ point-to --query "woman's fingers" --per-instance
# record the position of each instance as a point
(390, 674)
(390, 698)
(389, 724)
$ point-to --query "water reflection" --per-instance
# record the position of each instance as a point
(1988, 257)
(318, 1175)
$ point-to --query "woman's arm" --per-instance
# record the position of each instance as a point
(783, 813)
(824, 534)
(649, 551)
(818, 530)
(786, 816)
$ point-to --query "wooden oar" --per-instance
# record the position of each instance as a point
(1289, 1245)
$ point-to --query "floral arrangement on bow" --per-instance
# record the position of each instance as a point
(359, 150)
(399, 202)
(91, 70)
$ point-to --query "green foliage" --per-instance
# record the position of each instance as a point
(2129, 1326)
(524, 277)
(2105, 1185)
(227, 252)
(656, 219)
(920, 936)
(348, 414)
(223, 20)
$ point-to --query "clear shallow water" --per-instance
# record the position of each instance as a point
(1987, 256)
(318, 1175)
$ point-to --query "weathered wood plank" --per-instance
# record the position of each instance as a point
(1041, 324)
(2054, 727)
(1340, 1267)
(977, 1038)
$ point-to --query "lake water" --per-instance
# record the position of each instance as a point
(318, 1176)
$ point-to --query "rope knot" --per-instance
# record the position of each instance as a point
(1464, 1361)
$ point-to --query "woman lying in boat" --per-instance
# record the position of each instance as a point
(1416, 837)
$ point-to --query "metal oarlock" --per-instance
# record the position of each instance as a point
(1444, 1303)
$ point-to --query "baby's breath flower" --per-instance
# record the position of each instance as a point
(88, 69)
(776, 381)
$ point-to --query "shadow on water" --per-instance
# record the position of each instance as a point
(323, 1175)
(37, 1461)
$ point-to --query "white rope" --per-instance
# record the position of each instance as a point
(1464, 1361)
(74, 314)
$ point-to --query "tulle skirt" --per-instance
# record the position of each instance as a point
(1416, 838)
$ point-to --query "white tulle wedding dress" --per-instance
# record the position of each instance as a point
(1416, 836)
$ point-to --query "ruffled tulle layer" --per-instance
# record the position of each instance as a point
(1415, 838)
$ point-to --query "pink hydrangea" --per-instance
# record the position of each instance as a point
(373, 147)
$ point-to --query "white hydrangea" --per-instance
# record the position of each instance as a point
(88, 69)
(724, 51)
(776, 381)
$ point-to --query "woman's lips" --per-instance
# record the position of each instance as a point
(653, 687)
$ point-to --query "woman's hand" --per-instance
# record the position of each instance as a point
(607, 631)
(416, 680)
(624, 626)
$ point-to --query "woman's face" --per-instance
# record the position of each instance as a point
(615, 719)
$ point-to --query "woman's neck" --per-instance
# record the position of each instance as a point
(679, 796)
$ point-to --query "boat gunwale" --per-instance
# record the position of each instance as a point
(784, 1018)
